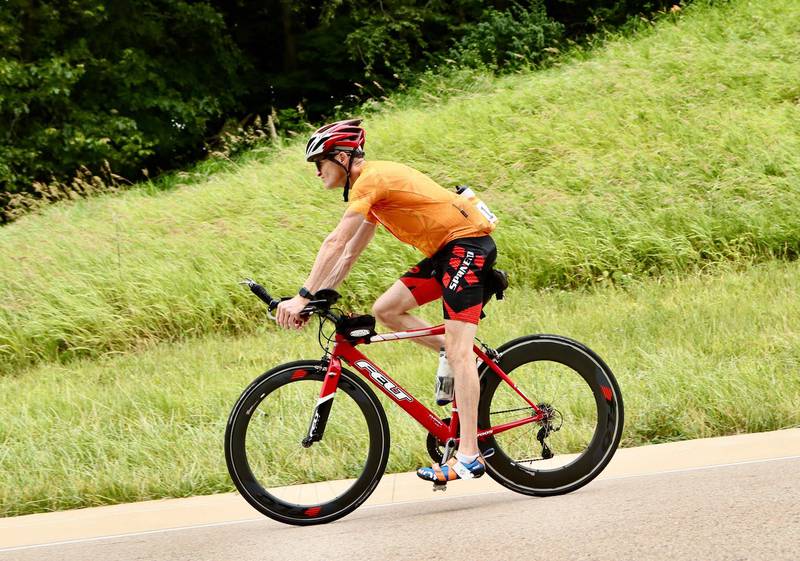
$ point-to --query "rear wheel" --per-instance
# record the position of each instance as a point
(267, 460)
(584, 415)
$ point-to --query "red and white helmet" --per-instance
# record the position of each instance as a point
(341, 136)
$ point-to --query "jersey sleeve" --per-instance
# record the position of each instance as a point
(364, 194)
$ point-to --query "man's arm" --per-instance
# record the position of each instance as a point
(335, 248)
(352, 251)
(288, 313)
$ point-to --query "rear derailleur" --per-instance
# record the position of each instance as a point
(547, 428)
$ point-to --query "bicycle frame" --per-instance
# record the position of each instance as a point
(345, 350)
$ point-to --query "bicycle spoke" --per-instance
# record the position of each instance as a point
(511, 410)
(553, 388)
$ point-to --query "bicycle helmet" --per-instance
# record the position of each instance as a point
(341, 136)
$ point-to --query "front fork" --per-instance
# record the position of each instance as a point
(323, 408)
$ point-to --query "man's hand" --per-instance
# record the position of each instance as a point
(289, 313)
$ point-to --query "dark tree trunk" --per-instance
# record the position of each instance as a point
(29, 29)
(289, 49)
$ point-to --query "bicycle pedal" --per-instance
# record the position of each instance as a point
(439, 487)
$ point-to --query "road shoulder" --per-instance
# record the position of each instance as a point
(229, 508)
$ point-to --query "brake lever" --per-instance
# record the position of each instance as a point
(312, 306)
(306, 312)
(284, 299)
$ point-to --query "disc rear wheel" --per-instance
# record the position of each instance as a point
(583, 418)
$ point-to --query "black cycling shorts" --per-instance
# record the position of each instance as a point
(456, 274)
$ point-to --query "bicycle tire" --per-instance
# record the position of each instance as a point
(574, 361)
(352, 396)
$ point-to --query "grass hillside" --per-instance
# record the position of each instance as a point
(660, 154)
(695, 357)
(649, 197)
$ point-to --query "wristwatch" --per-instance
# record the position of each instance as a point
(305, 293)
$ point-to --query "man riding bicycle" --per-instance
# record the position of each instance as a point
(450, 230)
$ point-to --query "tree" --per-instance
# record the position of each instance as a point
(131, 82)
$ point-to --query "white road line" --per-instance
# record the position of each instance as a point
(369, 507)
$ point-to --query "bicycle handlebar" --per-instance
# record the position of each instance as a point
(262, 294)
(325, 298)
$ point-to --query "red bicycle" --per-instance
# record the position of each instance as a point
(550, 418)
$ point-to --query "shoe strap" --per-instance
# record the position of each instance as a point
(461, 470)
(438, 473)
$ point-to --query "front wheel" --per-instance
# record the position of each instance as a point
(584, 418)
(265, 453)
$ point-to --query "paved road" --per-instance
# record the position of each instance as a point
(742, 512)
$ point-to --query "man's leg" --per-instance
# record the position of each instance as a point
(391, 309)
(462, 301)
(467, 464)
(459, 336)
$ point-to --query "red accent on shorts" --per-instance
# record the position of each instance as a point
(299, 374)
(479, 261)
(470, 278)
(470, 315)
(607, 393)
(455, 262)
(423, 290)
(446, 279)
(313, 511)
(459, 251)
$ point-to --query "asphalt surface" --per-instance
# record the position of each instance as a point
(743, 512)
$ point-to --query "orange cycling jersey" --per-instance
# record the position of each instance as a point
(413, 207)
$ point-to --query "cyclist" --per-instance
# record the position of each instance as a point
(452, 233)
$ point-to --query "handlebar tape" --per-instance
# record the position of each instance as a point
(263, 295)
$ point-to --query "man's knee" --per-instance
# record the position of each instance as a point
(387, 310)
(459, 341)
(461, 359)
(384, 311)
(393, 303)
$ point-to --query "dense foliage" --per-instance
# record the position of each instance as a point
(109, 90)
(127, 82)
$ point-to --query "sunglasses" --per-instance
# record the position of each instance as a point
(318, 163)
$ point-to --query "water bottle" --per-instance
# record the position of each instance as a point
(445, 383)
(470, 195)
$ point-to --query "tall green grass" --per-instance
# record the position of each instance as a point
(698, 356)
(661, 153)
